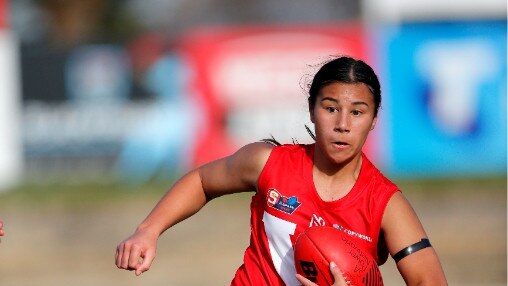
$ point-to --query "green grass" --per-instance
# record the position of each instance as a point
(80, 194)
(465, 184)
(76, 194)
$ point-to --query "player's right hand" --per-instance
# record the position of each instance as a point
(339, 280)
(137, 252)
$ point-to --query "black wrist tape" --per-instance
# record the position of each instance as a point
(424, 243)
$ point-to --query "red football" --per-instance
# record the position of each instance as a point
(317, 246)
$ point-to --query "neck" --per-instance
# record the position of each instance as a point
(347, 169)
(333, 181)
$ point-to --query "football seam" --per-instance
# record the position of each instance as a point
(320, 251)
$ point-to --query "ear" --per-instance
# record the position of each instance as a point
(311, 112)
(373, 125)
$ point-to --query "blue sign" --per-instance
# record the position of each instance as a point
(445, 98)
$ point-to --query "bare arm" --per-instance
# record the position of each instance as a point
(236, 173)
(402, 228)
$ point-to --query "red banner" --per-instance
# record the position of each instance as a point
(249, 79)
(3, 14)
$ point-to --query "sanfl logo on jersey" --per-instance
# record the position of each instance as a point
(282, 203)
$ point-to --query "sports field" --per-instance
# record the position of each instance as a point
(67, 235)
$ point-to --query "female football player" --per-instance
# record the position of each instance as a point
(297, 186)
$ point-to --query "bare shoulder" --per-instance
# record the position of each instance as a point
(260, 150)
(398, 202)
(252, 157)
(398, 208)
(238, 172)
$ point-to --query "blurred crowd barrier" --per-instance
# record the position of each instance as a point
(149, 108)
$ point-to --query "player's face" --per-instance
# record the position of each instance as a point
(343, 115)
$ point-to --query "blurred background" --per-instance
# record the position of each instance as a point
(104, 103)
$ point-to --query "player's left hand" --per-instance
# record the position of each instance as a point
(339, 279)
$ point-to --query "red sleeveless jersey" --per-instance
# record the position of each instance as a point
(287, 203)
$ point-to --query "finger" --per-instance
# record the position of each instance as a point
(338, 277)
(124, 263)
(119, 255)
(305, 281)
(147, 262)
(134, 257)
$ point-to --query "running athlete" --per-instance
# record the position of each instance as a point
(297, 186)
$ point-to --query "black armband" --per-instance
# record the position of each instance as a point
(424, 243)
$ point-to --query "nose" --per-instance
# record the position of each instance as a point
(343, 124)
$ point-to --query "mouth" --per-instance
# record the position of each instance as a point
(340, 144)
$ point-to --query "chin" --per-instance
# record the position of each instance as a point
(342, 159)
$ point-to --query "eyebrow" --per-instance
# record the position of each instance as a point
(336, 101)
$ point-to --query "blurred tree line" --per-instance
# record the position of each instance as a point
(66, 23)
(49, 30)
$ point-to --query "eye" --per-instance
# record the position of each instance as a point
(331, 109)
(356, 112)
